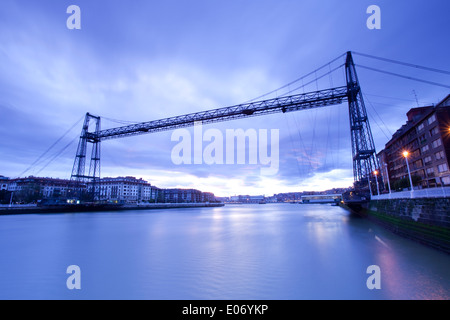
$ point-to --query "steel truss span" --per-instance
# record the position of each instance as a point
(285, 104)
(365, 161)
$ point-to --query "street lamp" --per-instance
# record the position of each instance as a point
(406, 154)
(376, 179)
(368, 182)
(10, 200)
(387, 177)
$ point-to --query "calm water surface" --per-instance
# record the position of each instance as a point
(273, 251)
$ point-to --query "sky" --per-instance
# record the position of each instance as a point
(139, 61)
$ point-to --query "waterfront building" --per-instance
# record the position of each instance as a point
(127, 189)
(36, 188)
(182, 195)
(177, 195)
(208, 197)
(247, 199)
(119, 190)
(289, 197)
(425, 138)
(222, 199)
(4, 181)
(271, 199)
(322, 198)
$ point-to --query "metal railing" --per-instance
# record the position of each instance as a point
(439, 192)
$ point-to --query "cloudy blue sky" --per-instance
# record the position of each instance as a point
(138, 61)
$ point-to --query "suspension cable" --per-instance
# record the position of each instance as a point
(314, 80)
(403, 63)
(297, 80)
(51, 147)
(57, 154)
(405, 77)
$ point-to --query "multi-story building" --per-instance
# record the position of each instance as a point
(177, 195)
(4, 181)
(183, 195)
(119, 189)
(127, 189)
(426, 139)
(247, 199)
(208, 197)
(36, 188)
(289, 197)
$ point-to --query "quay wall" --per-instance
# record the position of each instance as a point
(33, 209)
(426, 220)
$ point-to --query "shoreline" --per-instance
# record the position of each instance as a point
(99, 208)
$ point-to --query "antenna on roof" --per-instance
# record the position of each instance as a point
(415, 95)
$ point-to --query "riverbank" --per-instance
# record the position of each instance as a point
(423, 220)
(28, 209)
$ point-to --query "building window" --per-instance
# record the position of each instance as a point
(434, 131)
(422, 139)
(440, 155)
(432, 119)
(442, 167)
(418, 164)
(425, 148)
(427, 160)
(437, 143)
(446, 180)
(421, 126)
(430, 172)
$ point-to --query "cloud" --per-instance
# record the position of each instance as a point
(144, 61)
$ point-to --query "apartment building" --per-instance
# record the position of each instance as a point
(127, 189)
(35, 188)
(426, 139)
(4, 181)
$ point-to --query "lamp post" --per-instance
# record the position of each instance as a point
(387, 177)
(368, 181)
(376, 179)
(10, 200)
(406, 154)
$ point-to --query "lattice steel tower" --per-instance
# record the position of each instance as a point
(90, 182)
(365, 161)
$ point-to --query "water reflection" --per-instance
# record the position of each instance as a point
(273, 251)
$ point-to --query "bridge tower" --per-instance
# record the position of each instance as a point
(365, 161)
(90, 182)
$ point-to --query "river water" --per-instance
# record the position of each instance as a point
(236, 252)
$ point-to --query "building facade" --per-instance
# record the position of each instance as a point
(127, 189)
(31, 188)
(119, 190)
(426, 139)
(4, 181)
(182, 196)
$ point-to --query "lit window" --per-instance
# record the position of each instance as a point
(437, 143)
(420, 127)
(434, 131)
(424, 149)
(432, 119)
(440, 155)
(442, 167)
